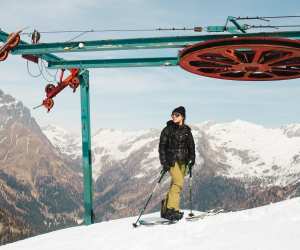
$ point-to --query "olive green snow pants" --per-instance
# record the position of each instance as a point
(177, 172)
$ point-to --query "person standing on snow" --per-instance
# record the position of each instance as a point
(176, 150)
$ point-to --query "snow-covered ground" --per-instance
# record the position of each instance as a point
(271, 227)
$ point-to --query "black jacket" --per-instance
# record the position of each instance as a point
(176, 144)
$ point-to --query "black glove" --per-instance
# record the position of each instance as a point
(166, 167)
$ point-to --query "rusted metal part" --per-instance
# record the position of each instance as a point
(12, 41)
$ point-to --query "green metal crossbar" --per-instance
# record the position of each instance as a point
(238, 26)
(135, 43)
(116, 63)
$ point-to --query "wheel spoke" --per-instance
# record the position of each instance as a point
(277, 60)
(269, 73)
(230, 54)
(289, 65)
(287, 70)
(247, 73)
(214, 61)
(257, 56)
(198, 59)
(215, 69)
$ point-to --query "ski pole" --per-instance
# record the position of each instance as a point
(190, 187)
(157, 184)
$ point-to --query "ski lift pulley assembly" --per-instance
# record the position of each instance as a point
(244, 58)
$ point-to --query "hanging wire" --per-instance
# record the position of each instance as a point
(42, 69)
(81, 34)
(31, 74)
(171, 29)
(107, 30)
(54, 76)
(273, 26)
(91, 31)
(265, 17)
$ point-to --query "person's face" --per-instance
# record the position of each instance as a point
(177, 117)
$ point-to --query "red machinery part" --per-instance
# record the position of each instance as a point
(72, 80)
(244, 58)
(3, 55)
(52, 90)
(13, 40)
(74, 83)
(49, 88)
(48, 103)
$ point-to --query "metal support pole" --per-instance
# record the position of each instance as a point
(86, 148)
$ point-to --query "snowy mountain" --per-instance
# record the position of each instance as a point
(271, 227)
(239, 165)
(240, 149)
(65, 141)
(292, 130)
(35, 192)
(250, 150)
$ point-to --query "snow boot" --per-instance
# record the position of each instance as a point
(163, 208)
(171, 215)
(179, 215)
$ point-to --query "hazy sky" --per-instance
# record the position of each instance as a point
(137, 98)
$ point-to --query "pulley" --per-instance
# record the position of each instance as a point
(244, 58)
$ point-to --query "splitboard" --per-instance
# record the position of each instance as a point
(151, 221)
(203, 215)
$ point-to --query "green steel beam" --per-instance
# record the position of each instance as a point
(115, 63)
(46, 56)
(3, 36)
(86, 148)
(233, 20)
(136, 43)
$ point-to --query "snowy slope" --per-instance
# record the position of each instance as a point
(271, 227)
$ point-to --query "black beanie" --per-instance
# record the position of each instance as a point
(180, 110)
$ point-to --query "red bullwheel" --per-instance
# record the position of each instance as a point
(244, 58)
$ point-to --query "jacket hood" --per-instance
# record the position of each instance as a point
(173, 124)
